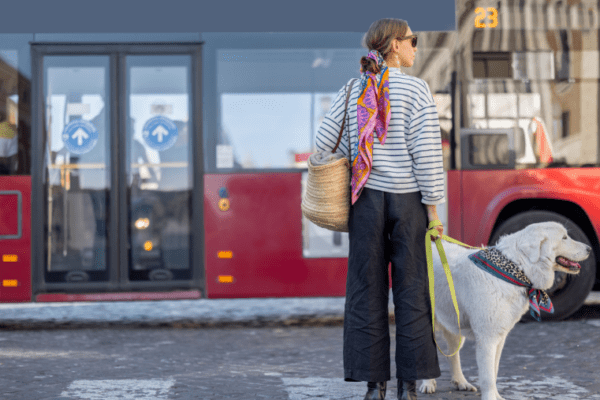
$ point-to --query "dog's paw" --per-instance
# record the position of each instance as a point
(462, 384)
(428, 386)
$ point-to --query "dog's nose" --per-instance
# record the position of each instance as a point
(589, 249)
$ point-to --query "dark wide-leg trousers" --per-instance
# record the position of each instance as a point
(383, 228)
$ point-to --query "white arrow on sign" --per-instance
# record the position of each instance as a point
(160, 131)
(80, 135)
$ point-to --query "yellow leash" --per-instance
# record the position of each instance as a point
(431, 231)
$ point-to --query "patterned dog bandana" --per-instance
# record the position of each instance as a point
(373, 115)
(494, 262)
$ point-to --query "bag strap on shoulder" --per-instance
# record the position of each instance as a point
(344, 120)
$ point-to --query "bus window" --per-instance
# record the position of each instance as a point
(492, 65)
(533, 65)
(271, 102)
(543, 110)
(488, 149)
(265, 130)
(15, 104)
(9, 100)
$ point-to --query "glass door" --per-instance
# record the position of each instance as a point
(159, 173)
(77, 169)
(120, 165)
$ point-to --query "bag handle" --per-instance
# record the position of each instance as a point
(344, 120)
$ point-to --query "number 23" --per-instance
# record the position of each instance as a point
(481, 15)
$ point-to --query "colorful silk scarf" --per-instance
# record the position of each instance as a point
(373, 115)
(493, 261)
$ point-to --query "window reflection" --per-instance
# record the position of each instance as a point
(272, 101)
(9, 140)
(543, 112)
(154, 170)
(159, 168)
(77, 170)
(443, 103)
(13, 147)
(265, 130)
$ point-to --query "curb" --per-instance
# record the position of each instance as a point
(298, 321)
(178, 314)
(195, 314)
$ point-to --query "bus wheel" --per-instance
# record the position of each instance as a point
(569, 291)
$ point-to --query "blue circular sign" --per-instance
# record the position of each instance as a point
(160, 133)
(80, 136)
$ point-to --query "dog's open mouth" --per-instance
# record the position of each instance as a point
(568, 264)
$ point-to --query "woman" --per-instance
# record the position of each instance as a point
(397, 181)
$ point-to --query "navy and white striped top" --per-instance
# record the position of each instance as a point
(411, 159)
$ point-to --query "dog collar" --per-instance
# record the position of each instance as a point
(493, 261)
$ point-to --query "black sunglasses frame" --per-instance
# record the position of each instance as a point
(413, 37)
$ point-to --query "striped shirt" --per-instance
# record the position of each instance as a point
(411, 159)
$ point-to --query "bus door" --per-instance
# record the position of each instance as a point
(119, 163)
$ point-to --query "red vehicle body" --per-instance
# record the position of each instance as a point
(495, 196)
(15, 239)
(262, 230)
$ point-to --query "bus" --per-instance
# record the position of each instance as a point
(170, 166)
(526, 101)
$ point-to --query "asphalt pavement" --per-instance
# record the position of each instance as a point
(217, 313)
(290, 348)
(549, 361)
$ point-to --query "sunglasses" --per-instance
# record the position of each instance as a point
(413, 37)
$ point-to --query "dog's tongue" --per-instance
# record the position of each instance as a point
(569, 263)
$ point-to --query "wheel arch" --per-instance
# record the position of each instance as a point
(565, 208)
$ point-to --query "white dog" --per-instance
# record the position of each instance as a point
(490, 307)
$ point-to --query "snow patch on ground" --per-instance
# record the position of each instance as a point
(553, 387)
(323, 389)
(138, 389)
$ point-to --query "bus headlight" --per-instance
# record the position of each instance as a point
(142, 223)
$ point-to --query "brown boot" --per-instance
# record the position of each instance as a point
(407, 390)
(376, 390)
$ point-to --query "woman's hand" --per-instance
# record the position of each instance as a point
(432, 216)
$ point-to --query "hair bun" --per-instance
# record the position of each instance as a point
(368, 64)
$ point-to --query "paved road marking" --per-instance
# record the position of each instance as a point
(551, 388)
(45, 305)
(323, 388)
(592, 299)
(513, 388)
(120, 389)
(20, 353)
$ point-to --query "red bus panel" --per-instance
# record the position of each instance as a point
(486, 193)
(15, 238)
(253, 236)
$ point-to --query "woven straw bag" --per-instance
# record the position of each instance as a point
(326, 202)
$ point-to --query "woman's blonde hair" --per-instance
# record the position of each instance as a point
(379, 37)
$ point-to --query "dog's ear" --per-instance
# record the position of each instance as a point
(532, 244)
